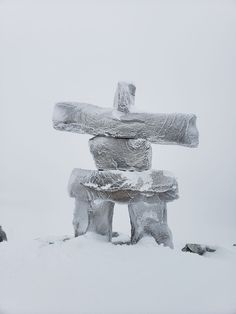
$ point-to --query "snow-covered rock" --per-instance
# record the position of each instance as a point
(197, 248)
(3, 236)
(122, 154)
(161, 128)
(123, 187)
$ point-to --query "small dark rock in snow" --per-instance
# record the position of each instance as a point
(197, 248)
(234, 244)
(115, 234)
(3, 236)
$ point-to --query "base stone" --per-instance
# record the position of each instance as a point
(122, 154)
(123, 186)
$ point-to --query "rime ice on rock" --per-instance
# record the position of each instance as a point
(124, 96)
(93, 216)
(122, 186)
(122, 153)
(174, 128)
(150, 219)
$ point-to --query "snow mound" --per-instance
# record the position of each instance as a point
(88, 275)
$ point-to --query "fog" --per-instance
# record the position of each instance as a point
(181, 57)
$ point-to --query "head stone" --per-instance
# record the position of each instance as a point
(124, 96)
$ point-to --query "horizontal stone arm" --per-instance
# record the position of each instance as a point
(123, 187)
(175, 128)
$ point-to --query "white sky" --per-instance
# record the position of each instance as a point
(181, 56)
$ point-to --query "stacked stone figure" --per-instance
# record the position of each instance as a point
(121, 148)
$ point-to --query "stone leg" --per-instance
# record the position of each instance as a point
(80, 219)
(93, 216)
(150, 219)
(100, 218)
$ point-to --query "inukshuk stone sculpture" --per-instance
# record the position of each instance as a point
(122, 153)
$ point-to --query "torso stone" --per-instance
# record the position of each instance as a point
(122, 154)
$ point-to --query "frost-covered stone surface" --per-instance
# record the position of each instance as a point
(124, 187)
(161, 128)
(150, 219)
(93, 216)
(122, 154)
(124, 96)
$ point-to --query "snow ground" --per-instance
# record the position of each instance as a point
(88, 275)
